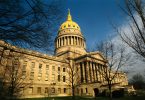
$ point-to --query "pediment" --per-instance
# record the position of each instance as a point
(97, 55)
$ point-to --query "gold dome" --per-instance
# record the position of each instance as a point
(69, 23)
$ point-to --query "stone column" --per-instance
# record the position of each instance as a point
(65, 41)
(94, 71)
(76, 40)
(88, 71)
(103, 69)
(68, 40)
(62, 41)
(81, 41)
(81, 72)
(83, 67)
(59, 42)
(96, 74)
(91, 75)
(99, 69)
(71, 40)
(102, 72)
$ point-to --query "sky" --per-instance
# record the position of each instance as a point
(95, 17)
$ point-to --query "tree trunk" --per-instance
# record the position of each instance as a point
(110, 91)
(73, 92)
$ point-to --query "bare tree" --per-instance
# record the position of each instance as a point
(73, 76)
(116, 58)
(135, 10)
(29, 23)
(13, 75)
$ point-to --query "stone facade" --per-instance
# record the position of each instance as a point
(49, 75)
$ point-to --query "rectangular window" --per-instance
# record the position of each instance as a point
(32, 66)
(47, 68)
(52, 90)
(64, 90)
(58, 68)
(58, 78)
(40, 72)
(40, 68)
(53, 68)
(39, 76)
(46, 90)
(63, 78)
(53, 77)
(86, 90)
(59, 90)
(30, 90)
(39, 90)
(23, 74)
(31, 75)
(63, 69)
(40, 65)
(24, 65)
(46, 78)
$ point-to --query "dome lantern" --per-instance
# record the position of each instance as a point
(69, 18)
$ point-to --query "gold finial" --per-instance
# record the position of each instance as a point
(69, 16)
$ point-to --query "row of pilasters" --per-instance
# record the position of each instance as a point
(70, 40)
(90, 72)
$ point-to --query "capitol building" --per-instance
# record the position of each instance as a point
(42, 75)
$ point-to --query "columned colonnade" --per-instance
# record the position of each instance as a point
(70, 40)
(90, 71)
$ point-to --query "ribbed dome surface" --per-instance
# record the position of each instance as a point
(69, 23)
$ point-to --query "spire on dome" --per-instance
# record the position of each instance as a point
(69, 18)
